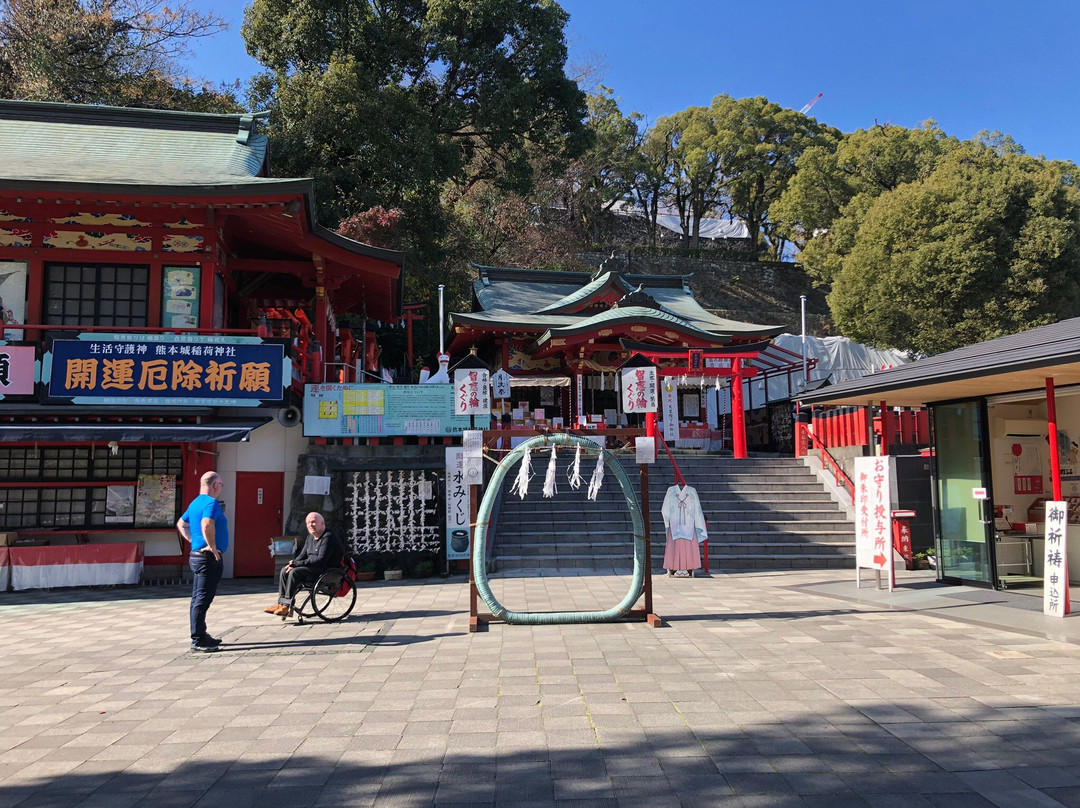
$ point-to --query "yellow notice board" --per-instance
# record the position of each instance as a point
(363, 402)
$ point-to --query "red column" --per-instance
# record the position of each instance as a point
(1051, 419)
(860, 426)
(738, 411)
(886, 429)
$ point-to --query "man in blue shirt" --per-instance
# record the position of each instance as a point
(205, 526)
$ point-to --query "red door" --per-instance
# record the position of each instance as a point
(257, 519)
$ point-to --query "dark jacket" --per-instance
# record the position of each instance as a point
(319, 554)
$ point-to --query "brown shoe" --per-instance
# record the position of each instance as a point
(282, 611)
(272, 609)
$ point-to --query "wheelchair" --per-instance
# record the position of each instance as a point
(330, 598)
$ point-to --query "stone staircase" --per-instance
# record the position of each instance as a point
(763, 513)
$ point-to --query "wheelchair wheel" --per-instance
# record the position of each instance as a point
(324, 597)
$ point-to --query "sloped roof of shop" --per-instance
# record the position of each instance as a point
(532, 299)
(1009, 364)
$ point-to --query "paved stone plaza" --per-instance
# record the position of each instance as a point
(766, 689)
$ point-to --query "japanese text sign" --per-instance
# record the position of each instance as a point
(457, 505)
(16, 370)
(500, 383)
(639, 389)
(167, 369)
(1056, 562)
(472, 392)
(873, 513)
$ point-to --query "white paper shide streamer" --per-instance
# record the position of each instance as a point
(550, 489)
(521, 482)
(574, 477)
(597, 478)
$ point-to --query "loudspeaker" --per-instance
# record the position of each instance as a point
(289, 416)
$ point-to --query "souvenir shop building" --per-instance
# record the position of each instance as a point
(562, 336)
(164, 302)
(1005, 439)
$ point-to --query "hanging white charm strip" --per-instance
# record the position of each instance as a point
(597, 478)
(521, 482)
(550, 489)
(575, 471)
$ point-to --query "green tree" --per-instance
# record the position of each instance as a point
(604, 173)
(694, 173)
(117, 52)
(850, 171)
(383, 103)
(758, 144)
(650, 175)
(986, 245)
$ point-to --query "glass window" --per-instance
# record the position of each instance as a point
(96, 295)
(71, 503)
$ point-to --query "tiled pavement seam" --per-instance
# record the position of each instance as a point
(757, 692)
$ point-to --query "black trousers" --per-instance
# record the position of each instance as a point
(204, 583)
(292, 580)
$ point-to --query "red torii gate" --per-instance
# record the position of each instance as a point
(733, 362)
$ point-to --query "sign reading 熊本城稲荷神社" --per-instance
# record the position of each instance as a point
(166, 370)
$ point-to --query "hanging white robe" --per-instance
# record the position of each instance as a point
(686, 528)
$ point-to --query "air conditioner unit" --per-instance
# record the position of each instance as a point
(1019, 427)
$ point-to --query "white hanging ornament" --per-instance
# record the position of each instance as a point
(574, 477)
(597, 478)
(521, 482)
(550, 489)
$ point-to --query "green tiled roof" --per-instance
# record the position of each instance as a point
(522, 297)
(68, 144)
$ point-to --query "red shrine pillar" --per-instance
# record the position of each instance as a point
(738, 411)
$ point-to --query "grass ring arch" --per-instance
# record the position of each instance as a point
(479, 549)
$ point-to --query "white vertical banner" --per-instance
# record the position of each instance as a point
(670, 409)
(500, 384)
(472, 392)
(873, 514)
(472, 444)
(639, 389)
(581, 395)
(457, 505)
(1055, 564)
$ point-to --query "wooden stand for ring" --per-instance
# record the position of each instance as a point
(654, 620)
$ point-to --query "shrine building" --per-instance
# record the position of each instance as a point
(563, 336)
(165, 300)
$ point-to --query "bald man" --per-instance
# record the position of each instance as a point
(204, 525)
(321, 551)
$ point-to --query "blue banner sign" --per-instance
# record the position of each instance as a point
(380, 410)
(167, 370)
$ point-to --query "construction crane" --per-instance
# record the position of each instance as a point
(813, 101)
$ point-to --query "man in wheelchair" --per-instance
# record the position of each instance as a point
(321, 551)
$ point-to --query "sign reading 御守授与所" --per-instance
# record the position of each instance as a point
(166, 370)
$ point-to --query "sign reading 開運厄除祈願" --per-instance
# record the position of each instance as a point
(166, 370)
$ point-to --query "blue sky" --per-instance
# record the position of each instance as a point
(969, 65)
